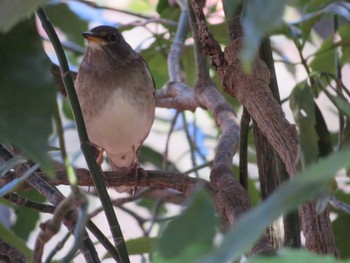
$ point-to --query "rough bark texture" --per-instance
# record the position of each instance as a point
(272, 172)
(317, 230)
(254, 93)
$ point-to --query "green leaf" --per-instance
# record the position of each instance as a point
(295, 256)
(257, 23)
(342, 105)
(165, 10)
(150, 204)
(26, 218)
(162, 5)
(230, 7)
(67, 109)
(325, 145)
(147, 154)
(303, 107)
(12, 11)
(314, 5)
(156, 58)
(197, 223)
(27, 94)
(189, 65)
(12, 239)
(62, 17)
(219, 32)
(323, 60)
(140, 245)
(341, 227)
(289, 196)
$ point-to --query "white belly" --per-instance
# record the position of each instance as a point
(120, 128)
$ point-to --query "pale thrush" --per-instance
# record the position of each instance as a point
(116, 94)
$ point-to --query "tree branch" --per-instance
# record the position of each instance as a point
(252, 91)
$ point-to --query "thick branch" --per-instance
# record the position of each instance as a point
(252, 91)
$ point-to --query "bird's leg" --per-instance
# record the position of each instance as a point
(99, 158)
(137, 169)
(98, 152)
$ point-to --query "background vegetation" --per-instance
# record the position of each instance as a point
(196, 205)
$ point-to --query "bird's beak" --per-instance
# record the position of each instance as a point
(91, 37)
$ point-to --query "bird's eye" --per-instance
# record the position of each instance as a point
(112, 38)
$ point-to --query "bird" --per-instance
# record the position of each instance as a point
(116, 93)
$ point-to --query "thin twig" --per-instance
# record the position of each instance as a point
(166, 150)
(57, 248)
(50, 228)
(155, 213)
(24, 202)
(85, 145)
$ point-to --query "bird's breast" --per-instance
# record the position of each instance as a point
(122, 122)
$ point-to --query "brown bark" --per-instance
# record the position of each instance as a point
(253, 92)
(317, 230)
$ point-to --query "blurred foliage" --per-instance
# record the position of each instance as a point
(12, 11)
(73, 33)
(295, 256)
(27, 100)
(26, 218)
(178, 246)
(303, 107)
(341, 225)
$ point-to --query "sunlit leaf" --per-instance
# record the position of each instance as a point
(13, 11)
(140, 245)
(219, 32)
(323, 60)
(27, 94)
(303, 106)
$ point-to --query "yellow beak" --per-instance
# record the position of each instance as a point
(93, 38)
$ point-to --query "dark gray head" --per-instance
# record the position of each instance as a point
(109, 40)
